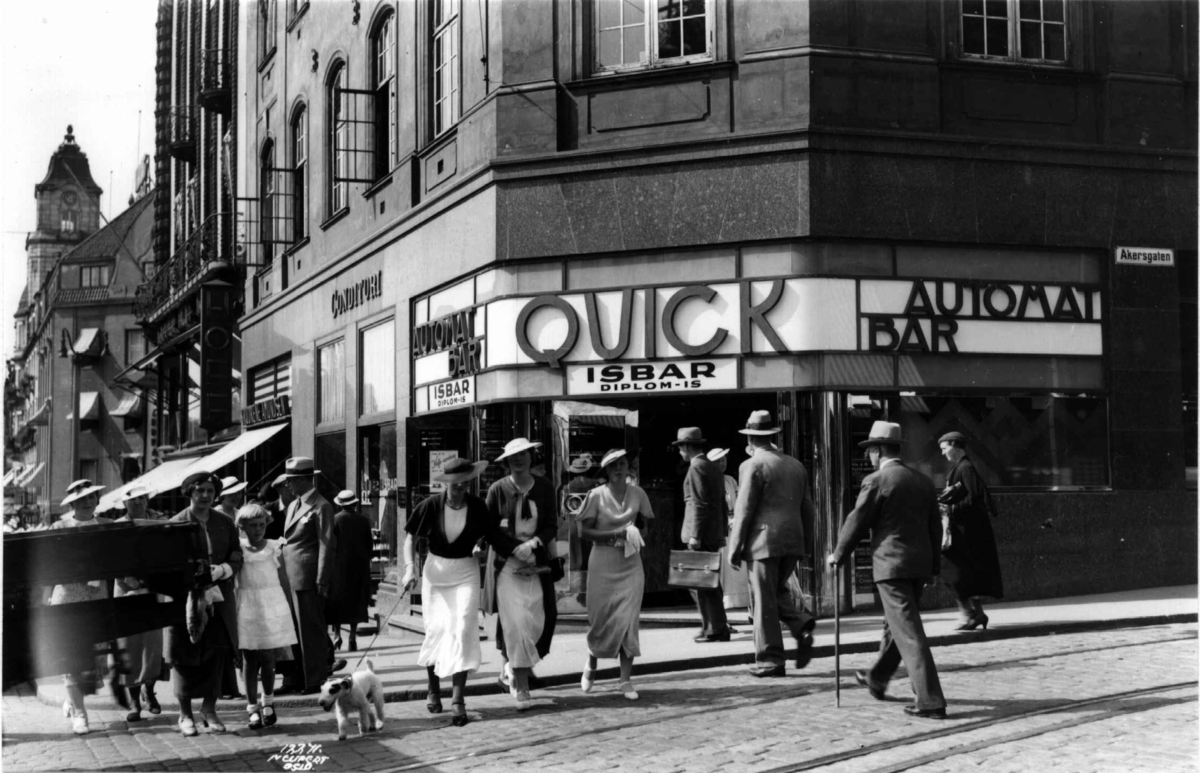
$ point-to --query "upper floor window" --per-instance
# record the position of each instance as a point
(300, 172)
(383, 46)
(295, 8)
(267, 203)
(339, 156)
(1019, 30)
(68, 221)
(446, 108)
(642, 33)
(93, 276)
(267, 16)
(135, 345)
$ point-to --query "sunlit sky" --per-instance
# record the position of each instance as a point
(88, 64)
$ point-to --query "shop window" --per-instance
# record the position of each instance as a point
(135, 345)
(270, 380)
(1015, 30)
(446, 108)
(383, 45)
(378, 478)
(93, 276)
(1029, 441)
(377, 364)
(331, 390)
(630, 34)
(329, 455)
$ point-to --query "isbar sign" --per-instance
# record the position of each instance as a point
(658, 377)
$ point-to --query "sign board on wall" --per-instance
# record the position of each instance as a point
(1144, 256)
(626, 378)
(452, 394)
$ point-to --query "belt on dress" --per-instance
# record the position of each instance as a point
(612, 542)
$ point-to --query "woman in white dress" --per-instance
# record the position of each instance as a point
(611, 519)
(456, 524)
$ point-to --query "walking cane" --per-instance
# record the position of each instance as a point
(837, 637)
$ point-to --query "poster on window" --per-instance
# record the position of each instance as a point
(437, 463)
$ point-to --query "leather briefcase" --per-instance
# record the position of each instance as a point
(695, 569)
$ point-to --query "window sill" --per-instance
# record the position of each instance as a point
(303, 9)
(266, 60)
(296, 247)
(336, 216)
(976, 61)
(650, 73)
(382, 417)
(379, 185)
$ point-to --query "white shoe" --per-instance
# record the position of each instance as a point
(588, 680)
(524, 702)
(627, 690)
(79, 725)
(67, 710)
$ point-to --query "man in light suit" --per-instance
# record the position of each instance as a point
(308, 553)
(703, 525)
(899, 506)
(773, 518)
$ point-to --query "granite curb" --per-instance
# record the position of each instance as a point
(50, 690)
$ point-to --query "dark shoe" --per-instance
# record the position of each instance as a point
(134, 715)
(458, 714)
(353, 644)
(766, 669)
(712, 637)
(268, 715)
(912, 710)
(151, 702)
(804, 647)
(338, 665)
(876, 692)
(433, 703)
(337, 644)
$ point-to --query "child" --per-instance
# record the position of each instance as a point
(263, 614)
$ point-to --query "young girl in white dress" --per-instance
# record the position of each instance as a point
(264, 617)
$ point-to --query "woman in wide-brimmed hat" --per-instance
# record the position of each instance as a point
(455, 524)
(611, 519)
(523, 506)
(82, 497)
(198, 657)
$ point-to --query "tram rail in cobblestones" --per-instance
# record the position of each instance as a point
(950, 730)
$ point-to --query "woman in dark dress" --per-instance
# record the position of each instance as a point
(350, 588)
(523, 506)
(198, 665)
(970, 563)
(456, 524)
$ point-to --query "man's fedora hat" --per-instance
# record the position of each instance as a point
(138, 491)
(345, 498)
(80, 489)
(612, 456)
(299, 467)
(960, 437)
(883, 433)
(279, 480)
(690, 435)
(516, 446)
(717, 454)
(759, 423)
(582, 464)
(202, 476)
(459, 470)
(231, 485)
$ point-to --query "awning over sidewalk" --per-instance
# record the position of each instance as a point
(237, 448)
(165, 472)
(89, 407)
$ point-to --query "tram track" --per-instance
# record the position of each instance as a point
(952, 730)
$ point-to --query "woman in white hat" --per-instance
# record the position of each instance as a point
(523, 506)
(611, 519)
(233, 494)
(82, 497)
(455, 525)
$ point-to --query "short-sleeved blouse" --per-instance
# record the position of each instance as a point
(608, 512)
(426, 521)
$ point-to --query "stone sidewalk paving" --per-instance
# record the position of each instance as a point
(718, 719)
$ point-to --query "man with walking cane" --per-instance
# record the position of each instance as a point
(899, 506)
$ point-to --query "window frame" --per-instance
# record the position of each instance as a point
(298, 130)
(361, 413)
(1013, 27)
(340, 421)
(650, 42)
(384, 83)
(450, 29)
(85, 272)
(337, 192)
(268, 30)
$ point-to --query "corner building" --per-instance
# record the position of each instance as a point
(591, 222)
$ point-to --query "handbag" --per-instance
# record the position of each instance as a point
(694, 569)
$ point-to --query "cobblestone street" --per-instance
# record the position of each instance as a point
(1122, 699)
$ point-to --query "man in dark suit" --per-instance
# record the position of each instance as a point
(309, 553)
(772, 519)
(899, 506)
(703, 525)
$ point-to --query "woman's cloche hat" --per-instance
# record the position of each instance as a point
(231, 485)
(299, 467)
(459, 470)
(203, 476)
(717, 454)
(949, 436)
(80, 489)
(759, 423)
(883, 433)
(516, 446)
(345, 498)
(612, 456)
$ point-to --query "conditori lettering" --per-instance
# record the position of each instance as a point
(357, 294)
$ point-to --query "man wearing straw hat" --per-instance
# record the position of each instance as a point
(703, 525)
(771, 522)
(899, 506)
(309, 553)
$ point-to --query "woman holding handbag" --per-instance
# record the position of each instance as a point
(611, 518)
(970, 563)
(522, 505)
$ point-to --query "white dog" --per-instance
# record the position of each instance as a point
(363, 691)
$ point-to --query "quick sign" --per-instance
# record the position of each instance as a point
(1145, 256)
(452, 394)
(652, 377)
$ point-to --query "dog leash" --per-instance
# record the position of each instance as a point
(379, 629)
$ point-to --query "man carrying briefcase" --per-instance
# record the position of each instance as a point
(704, 526)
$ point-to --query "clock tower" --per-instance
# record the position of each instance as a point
(68, 211)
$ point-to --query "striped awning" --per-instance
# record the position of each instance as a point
(130, 405)
(89, 343)
(89, 407)
(30, 474)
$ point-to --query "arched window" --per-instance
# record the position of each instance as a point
(300, 172)
(383, 50)
(338, 160)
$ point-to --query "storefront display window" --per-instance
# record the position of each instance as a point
(378, 479)
(330, 458)
(377, 360)
(331, 392)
